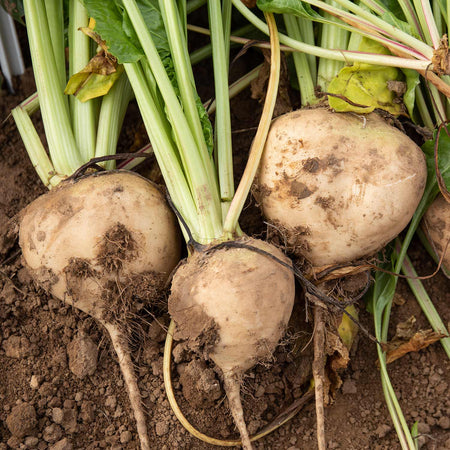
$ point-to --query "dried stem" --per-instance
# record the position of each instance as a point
(319, 370)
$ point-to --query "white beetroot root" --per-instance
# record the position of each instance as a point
(436, 223)
(85, 239)
(338, 186)
(232, 305)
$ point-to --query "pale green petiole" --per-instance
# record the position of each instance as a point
(112, 112)
(54, 105)
(163, 146)
(305, 78)
(223, 145)
(182, 65)
(340, 55)
(333, 37)
(84, 118)
(55, 17)
(36, 151)
(197, 166)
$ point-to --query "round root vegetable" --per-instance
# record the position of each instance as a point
(436, 223)
(338, 186)
(85, 239)
(232, 305)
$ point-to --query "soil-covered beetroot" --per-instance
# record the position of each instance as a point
(338, 186)
(84, 240)
(102, 229)
(233, 305)
(436, 222)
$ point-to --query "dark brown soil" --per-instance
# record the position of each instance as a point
(45, 404)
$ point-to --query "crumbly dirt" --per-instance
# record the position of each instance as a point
(117, 246)
(37, 335)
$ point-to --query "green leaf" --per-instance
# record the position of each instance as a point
(114, 27)
(206, 125)
(394, 8)
(299, 9)
(383, 289)
(294, 7)
(109, 25)
(366, 84)
(155, 24)
(409, 97)
(400, 24)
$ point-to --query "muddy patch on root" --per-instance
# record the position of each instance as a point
(199, 330)
(311, 165)
(260, 191)
(300, 190)
(335, 164)
(291, 240)
(201, 388)
(325, 202)
(79, 268)
(117, 246)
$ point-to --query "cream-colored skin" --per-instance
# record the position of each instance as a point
(247, 299)
(72, 221)
(436, 223)
(343, 185)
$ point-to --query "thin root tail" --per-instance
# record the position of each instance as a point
(233, 388)
(120, 344)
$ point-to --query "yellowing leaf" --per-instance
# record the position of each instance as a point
(347, 328)
(86, 86)
(96, 79)
(366, 86)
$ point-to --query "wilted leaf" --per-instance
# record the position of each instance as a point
(407, 340)
(366, 84)
(96, 79)
(420, 340)
(441, 58)
(338, 359)
(88, 85)
(340, 335)
(99, 75)
(334, 271)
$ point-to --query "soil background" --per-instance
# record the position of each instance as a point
(60, 411)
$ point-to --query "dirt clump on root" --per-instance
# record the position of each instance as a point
(116, 247)
(196, 328)
(79, 268)
(201, 388)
